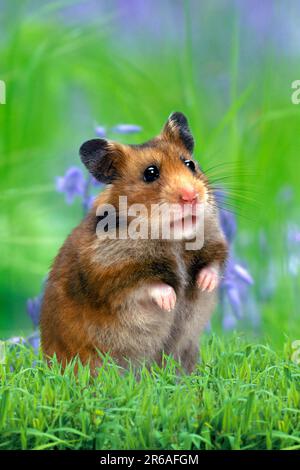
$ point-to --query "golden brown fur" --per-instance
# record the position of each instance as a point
(95, 297)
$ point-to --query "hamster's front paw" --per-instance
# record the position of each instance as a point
(163, 295)
(208, 278)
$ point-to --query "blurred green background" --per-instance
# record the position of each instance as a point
(229, 65)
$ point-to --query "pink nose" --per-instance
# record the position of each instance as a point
(188, 194)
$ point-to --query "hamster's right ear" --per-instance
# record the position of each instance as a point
(100, 157)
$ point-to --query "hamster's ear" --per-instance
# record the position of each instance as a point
(177, 129)
(100, 157)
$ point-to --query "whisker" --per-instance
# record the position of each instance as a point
(229, 204)
(226, 190)
(236, 197)
(235, 189)
(236, 192)
(221, 165)
(241, 199)
(231, 211)
(216, 206)
(236, 174)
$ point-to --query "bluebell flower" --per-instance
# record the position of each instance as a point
(235, 298)
(88, 202)
(285, 194)
(87, 197)
(242, 274)
(228, 224)
(126, 129)
(33, 307)
(269, 271)
(95, 182)
(229, 321)
(34, 341)
(293, 249)
(293, 234)
(100, 131)
(234, 287)
(72, 184)
(16, 340)
(227, 219)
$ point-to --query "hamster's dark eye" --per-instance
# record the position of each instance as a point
(151, 174)
(190, 164)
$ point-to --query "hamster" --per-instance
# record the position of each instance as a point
(136, 298)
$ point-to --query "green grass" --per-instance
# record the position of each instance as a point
(242, 396)
(64, 76)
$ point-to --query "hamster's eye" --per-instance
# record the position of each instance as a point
(190, 164)
(151, 174)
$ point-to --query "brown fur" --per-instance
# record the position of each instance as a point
(95, 295)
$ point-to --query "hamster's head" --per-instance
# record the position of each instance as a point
(156, 174)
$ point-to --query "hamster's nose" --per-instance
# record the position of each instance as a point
(188, 194)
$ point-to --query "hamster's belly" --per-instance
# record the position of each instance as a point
(145, 325)
(146, 330)
(143, 330)
(192, 316)
(139, 332)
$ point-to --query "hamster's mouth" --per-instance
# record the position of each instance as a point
(188, 212)
(185, 228)
(184, 221)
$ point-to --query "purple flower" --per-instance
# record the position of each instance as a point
(269, 271)
(34, 340)
(234, 287)
(243, 274)
(259, 15)
(228, 321)
(34, 305)
(72, 183)
(100, 131)
(293, 235)
(228, 224)
(285, 194)
(87, 197)
(293, 249)
(16, 340)
(126, 129)
(88, 203)
(94, 182)
(33, 308)
(235, 297)
(227, 219)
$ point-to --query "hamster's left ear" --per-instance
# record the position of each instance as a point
(177, 129)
